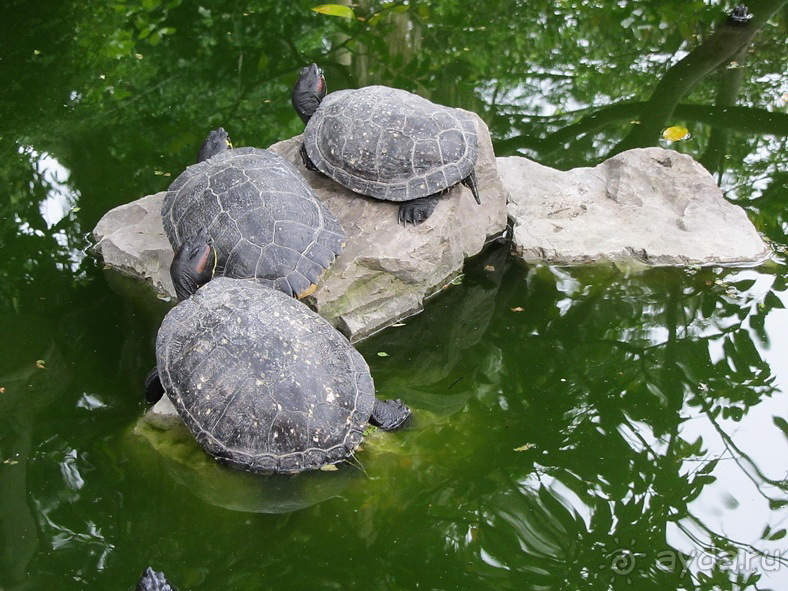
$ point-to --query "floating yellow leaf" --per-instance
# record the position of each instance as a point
(329, 468)
(525, 447)
(676, 133)
(2, 390)
(382, 354)
(335, 10)
(518, 309)
(489, 268)
(41, 364)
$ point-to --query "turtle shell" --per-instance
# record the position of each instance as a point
(390, 144)
(261, 215)
(261, 381)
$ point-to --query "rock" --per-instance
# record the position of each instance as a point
(131, 240)
(386, 269)
(647, 205)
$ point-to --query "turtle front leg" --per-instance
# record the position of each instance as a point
(153, 388)
(416, 211)
(470, 182)
(307, 160)
(390, 414)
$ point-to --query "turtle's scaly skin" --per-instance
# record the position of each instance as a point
(261, 215)
(390, 144)
(261, 381)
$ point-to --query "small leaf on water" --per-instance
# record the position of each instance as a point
(329, 468)
(335, 10)
(41, 364)
(382, 354)
(2, 390)
(525, 447)
(75, 209)
(518, 309)
(676, 133)
(10, 462)
(489, 268)
(398, 324)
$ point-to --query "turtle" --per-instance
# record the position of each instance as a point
(264, 219)
(262, 382)
(218, 140)
(386, 143)
(151, 580)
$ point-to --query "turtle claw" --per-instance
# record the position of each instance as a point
(306, 159)
(414, 212)
(154, 389)
(470, 182)
(390, 414)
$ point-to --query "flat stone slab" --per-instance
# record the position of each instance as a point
(385, 271)
(647, 205)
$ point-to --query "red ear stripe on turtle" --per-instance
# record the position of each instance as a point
(205, 256)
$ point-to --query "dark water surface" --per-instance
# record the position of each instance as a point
(576, 428)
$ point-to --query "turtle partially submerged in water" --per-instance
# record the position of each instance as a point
(386, 143)
(151, 580)
(262, 216)
(262, 382)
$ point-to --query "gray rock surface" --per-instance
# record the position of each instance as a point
(385, 271)
(648, 205)
(131, 240)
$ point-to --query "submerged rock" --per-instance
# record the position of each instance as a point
(385, 271)
(647, 205)
(160, 440)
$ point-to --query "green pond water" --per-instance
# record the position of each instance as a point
(575, 428)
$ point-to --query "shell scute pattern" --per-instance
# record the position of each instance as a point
(390, 144)
(261, 215)
(261, 381)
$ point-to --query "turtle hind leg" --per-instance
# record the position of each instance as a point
(153, 388)
(390, 414)
(307, 160)
(470, 182)
(416, 211)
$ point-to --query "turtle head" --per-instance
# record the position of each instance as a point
(194, 265)
(217, 141)
(309, 90)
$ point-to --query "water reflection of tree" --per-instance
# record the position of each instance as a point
(571, 451)
(629, 362)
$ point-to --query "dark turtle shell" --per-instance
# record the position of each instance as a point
(261, 215)
(390, 144)
(261, 381)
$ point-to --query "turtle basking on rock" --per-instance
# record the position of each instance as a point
(386, 143)
(262, 382)
(263, 218)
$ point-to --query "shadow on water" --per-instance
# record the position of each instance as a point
(587, 428)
